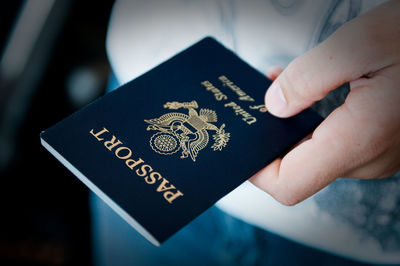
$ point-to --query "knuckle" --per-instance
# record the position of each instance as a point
(288, 201)
(284, 198)
(298, 86)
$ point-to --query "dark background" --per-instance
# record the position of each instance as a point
(45, 216)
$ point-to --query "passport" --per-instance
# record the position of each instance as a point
(166, 146)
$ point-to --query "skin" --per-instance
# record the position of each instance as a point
(361, 138)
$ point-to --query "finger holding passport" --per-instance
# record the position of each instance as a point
(359, 139)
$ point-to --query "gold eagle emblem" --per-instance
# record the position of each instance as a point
(186, 132)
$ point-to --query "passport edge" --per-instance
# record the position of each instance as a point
(112, 204)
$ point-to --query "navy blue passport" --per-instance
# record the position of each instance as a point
(166, 146)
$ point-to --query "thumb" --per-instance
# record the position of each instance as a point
(343, 57)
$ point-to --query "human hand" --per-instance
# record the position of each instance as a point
(361, 138)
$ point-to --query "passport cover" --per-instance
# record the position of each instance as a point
(166, 146)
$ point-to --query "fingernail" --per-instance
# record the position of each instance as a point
(275, 100)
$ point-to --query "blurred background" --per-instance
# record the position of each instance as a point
(52, 62)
